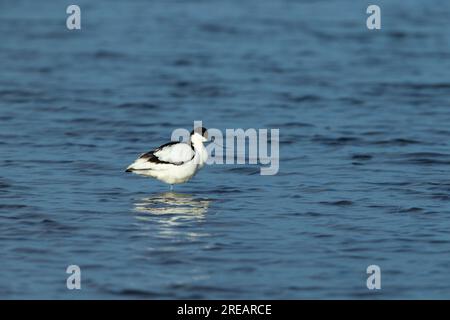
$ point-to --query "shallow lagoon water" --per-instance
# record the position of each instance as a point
(364, 153)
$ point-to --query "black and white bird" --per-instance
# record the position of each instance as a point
(174, 162)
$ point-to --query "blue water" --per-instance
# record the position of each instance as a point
(364, 149)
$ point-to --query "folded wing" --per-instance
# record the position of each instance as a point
(172, 153)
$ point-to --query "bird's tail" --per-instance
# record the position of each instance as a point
(130, 168)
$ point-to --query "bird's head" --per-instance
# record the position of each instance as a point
(199, 134)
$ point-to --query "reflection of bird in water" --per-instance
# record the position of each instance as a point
(170, 213)
(173, 206)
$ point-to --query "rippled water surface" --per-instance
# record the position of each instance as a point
(364, 152)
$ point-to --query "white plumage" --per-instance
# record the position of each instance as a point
(174, 162)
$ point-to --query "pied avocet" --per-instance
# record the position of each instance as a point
(174, 162)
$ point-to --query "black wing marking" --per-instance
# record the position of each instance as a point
(150, 154)
(151, 157)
